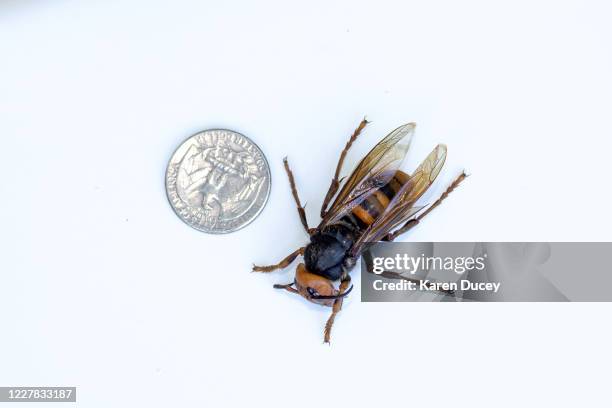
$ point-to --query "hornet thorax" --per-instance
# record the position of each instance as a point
(328, 250)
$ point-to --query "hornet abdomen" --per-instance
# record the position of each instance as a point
(372, 207)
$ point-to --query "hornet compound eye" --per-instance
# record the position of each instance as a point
(312, 292)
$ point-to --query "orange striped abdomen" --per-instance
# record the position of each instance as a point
(370, 208)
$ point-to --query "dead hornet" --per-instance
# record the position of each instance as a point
(376, 203)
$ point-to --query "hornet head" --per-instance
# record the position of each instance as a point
(313, 287)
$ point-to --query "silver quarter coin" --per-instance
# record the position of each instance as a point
(218, 181)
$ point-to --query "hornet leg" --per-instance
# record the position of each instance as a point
(296, 197)
(335, 183)
(414, 221)
(282, 264)
(344, 282)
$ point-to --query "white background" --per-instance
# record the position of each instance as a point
(104, 288)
